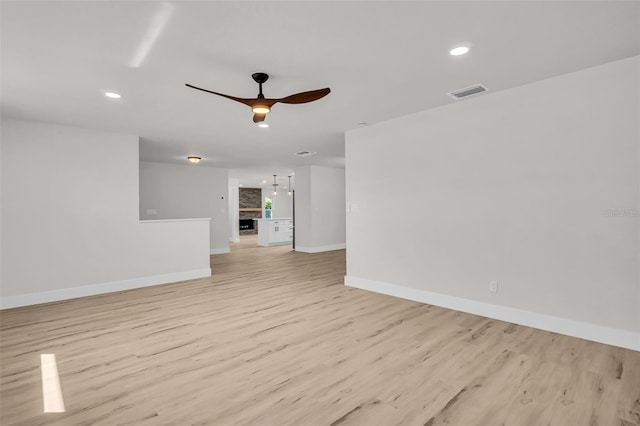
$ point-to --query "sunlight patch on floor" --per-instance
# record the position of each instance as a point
(51, 391)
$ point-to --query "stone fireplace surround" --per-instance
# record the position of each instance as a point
(250, 204)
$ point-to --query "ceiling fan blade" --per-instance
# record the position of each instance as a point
(304, 97)
(257, 118)
(233, 98)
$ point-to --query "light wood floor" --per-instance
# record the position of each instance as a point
(275, 338)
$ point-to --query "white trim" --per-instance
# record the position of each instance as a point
(276, 243)
(319, 249)
(597, 333)
(94, 289)
(220, 250)
(195, 219)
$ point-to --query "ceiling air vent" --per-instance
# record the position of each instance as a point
(467, 91)
(305, 153)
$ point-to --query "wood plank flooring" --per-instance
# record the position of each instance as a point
(275, 338)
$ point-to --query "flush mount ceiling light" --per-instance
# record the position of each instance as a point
(112, 95)
(460, 50)
(194, 159)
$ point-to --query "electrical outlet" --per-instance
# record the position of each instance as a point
(493, 286)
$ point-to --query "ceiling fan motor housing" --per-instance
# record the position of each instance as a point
(260, 77)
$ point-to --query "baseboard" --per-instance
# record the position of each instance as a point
(282, 243)
(220, 251)
(319, 249)
(611, 336)
(94, 289)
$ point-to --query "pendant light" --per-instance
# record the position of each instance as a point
(275, 186)
(289, 185)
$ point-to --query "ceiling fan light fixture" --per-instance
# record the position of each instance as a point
(260, 105)
(260, 109)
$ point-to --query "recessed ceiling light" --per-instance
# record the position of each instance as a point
(240, 184)
(112, 95)
(460, 50)
(263, 125)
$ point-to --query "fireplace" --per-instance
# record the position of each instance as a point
(250, 207)
(247, 224)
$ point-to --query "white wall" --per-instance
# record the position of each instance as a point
(70, 222)
(186, 191)
(281, 204)
(516, 186)
(320, 209)
(303, 222)
(234, 212)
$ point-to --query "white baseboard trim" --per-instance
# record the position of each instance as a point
(220, 251)
(319, 249)
(611, 336)
(94, 289)
(273, 244)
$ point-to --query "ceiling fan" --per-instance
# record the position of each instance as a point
(261, 105)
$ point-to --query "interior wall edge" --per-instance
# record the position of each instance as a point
(611, 336)
(29, 299)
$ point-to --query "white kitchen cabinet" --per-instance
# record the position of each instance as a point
(273, 232)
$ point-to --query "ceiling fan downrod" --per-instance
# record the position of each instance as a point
(260, 77)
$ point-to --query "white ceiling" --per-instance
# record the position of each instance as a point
(381, 59)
